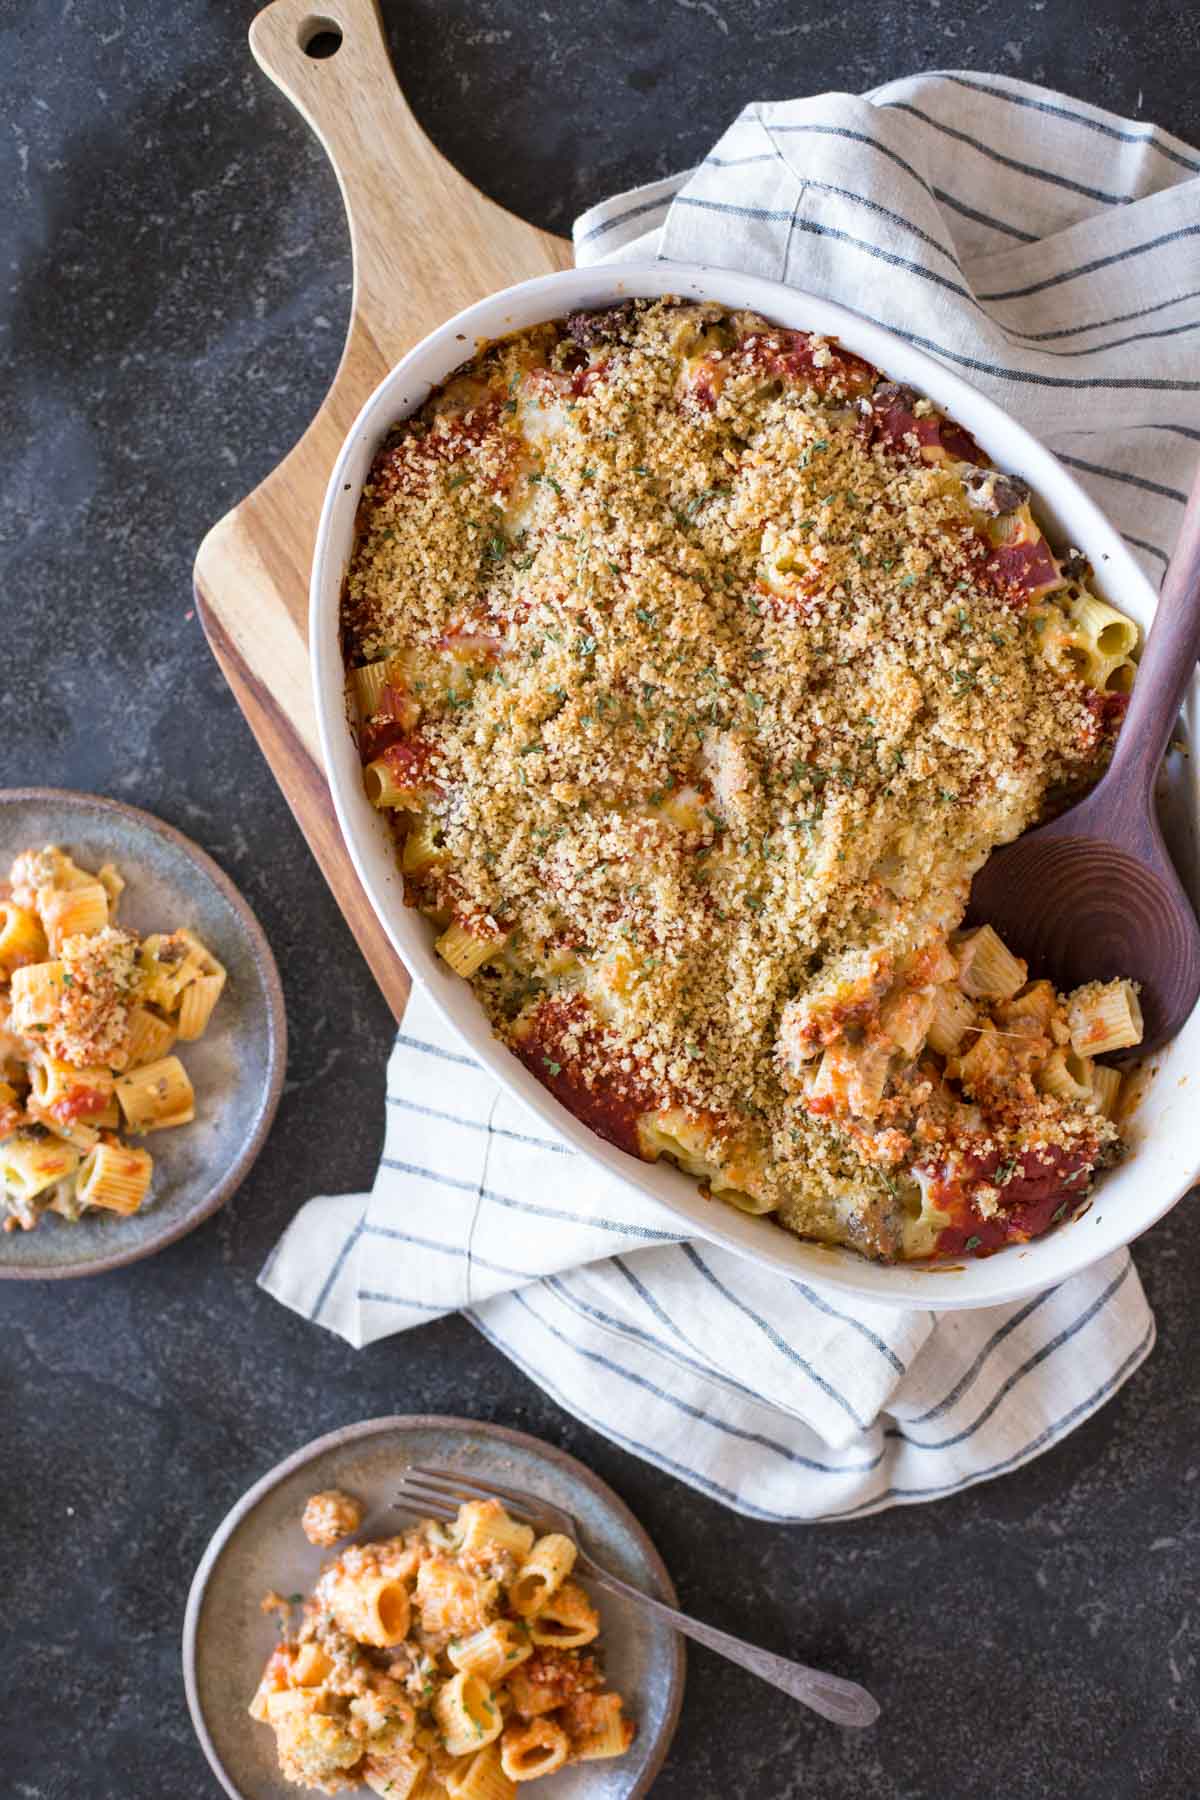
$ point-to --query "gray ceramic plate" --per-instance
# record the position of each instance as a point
(236, 1067)
(226, 1638)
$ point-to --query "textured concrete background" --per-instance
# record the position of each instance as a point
(176, 283)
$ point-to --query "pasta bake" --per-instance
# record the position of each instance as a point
(697, 668)
(89, 1016)
(447, 1663)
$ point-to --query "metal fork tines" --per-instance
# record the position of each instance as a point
(447, 1490)
(439, 1493)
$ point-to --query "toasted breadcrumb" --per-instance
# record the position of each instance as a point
(719, 706)
(329, 1516)
(91, 1025)
(33, 870)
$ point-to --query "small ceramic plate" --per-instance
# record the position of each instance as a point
(227, 1638)
(236, 1067)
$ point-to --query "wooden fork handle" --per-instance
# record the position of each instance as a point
(1167, 665)
(844, 1702)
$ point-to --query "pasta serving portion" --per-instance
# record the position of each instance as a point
(447, 1663)
(697, 668)
(89, 1015)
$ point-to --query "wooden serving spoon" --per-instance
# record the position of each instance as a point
(1094, 894)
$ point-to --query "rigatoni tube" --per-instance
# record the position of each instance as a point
(953, 1016)
(467, 951)
(467, 1714)
(530, 1750)
(542, 1573)
(115, 1177)
(493, 1652)
(483, 1778)
(1104, 1016)
(156, 1096)
(987, 969)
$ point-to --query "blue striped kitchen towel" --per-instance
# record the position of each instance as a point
(783, 1401)
(1052, 252)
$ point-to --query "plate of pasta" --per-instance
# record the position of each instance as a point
(682, 646)
(334, 1644)
(142, 1034)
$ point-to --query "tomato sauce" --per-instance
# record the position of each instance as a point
(791, 355)
(1020, 571)
(1108, 709)
(1044, 1186)
(584, 380)
(392, 720)
(893, 424)
(613, 1106)
(80, 1103)
(704, 393)
(410, 759)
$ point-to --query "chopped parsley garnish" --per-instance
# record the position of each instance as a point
(806, 771)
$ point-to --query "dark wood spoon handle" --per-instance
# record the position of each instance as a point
(1170, 656)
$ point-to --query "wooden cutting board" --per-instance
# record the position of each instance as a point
(425, 243)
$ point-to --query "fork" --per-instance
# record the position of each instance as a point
(438, 1493)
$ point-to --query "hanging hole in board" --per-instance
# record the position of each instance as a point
(320, 38)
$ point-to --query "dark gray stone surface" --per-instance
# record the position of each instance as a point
(176, 281)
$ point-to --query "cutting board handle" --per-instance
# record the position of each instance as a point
(418, 230)
(425, 244)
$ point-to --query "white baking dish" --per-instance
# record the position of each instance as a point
(1166, 1127)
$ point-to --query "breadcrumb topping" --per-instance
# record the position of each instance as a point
(330, 1515)
(716, 693)
(91, 1024)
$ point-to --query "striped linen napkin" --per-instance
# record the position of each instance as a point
(1052, 252)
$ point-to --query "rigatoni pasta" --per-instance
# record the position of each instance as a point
(73, 912)
(88, 1018)
(696, 667)
(196, 1005)
(22, 939)
(542, 1573)
(492, 1652)
(150, 1037)
(432, 1711)
(157, 1095)
(114, 1176)
(533, 1749)
(1103, 1017)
